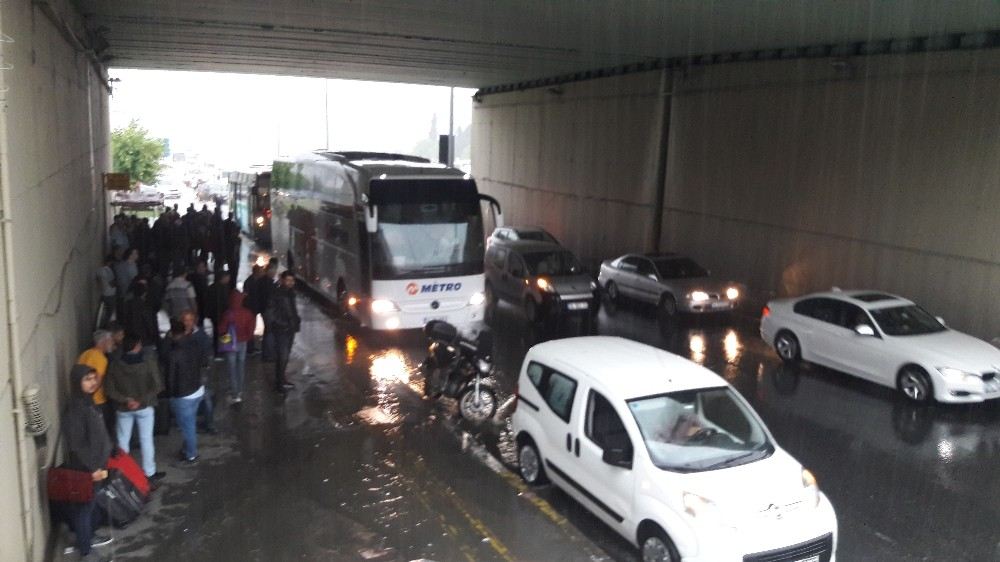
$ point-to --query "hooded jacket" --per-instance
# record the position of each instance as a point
(87, 443)
(240, 316)
(133, 376)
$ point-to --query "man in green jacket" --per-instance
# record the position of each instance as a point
(132, 383)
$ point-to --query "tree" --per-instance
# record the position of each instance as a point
(137, 153)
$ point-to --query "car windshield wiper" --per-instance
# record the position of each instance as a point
(731, 460)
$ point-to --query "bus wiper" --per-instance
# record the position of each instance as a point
(730, 460)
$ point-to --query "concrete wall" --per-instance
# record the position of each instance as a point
(579, 160)
(54, 139)
(795, 175)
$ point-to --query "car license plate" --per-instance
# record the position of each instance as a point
(810, 559)
(582, 305)
(720, 305)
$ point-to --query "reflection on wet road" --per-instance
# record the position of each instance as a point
(354, 464)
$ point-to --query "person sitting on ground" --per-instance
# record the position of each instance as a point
(88, 448)
(132, 383)
(182, 358)
(97, 358)
(240, 322)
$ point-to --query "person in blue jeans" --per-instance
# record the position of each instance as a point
(237, 324)
(183, 357)
(132, 383)
(204, 344)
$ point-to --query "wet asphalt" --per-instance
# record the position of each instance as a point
(354, 464)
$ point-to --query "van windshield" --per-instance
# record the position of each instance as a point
(698, 430)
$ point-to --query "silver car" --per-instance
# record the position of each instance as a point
(672, 282)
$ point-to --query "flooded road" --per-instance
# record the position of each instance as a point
(354, 464)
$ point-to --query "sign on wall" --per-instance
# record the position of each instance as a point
(117, 182)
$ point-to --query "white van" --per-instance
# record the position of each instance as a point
(666, 453)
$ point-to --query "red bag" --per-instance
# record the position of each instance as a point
(124, 463)
(68, 485)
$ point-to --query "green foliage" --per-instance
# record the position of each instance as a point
(136, 153)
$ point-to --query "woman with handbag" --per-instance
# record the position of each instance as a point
(236, 329)
(88, 448)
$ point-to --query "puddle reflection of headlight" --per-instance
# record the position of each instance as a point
(350, 349)
(390, 367)
(732, 345)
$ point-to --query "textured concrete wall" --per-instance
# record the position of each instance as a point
(795, 175)
(579, 160)
(884, 173)
(54, 146)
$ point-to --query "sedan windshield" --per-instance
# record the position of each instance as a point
(552, 263)
(698, 430)
(679, 268)
(910, 320)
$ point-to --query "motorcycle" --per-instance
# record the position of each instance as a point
(458, 368)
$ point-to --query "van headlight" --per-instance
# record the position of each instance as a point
(544, 285)
(383, 306)
(811, 487)
(958, 375)
(477, 299)
(698, 506)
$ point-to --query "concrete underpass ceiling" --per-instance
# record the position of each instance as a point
(478, 43)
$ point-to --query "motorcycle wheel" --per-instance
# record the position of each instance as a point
(477, 413)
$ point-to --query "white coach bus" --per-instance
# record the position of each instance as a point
(394, 240)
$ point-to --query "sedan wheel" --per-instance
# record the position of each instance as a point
(668, 306)
(915, 385)
(654, 549)
(787, 346)
(612, 290)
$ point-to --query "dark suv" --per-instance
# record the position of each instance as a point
(543, 278)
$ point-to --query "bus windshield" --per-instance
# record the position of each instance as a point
(417, 240)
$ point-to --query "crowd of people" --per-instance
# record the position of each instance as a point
(134, 380)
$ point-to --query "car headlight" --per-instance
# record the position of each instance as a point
(811, 486)
(593, 285)
(698, 506)
(698, 296)
(477, 299)
(958, 375)
(544, 285)
(382, 306)
(732, 293)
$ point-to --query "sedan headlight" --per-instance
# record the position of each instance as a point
(698, 296)
(698, 506)
(477, 299)
(811, 487)
(383, 306)
(957, 375)
(732, 293)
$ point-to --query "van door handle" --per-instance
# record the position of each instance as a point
(569, 442)
(576, 446)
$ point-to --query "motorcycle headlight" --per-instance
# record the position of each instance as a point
(698, 296)
(811, 487)
(958, 375)
(382, 306)
(477, 299)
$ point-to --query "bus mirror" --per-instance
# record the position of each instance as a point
(499, 218)
(371, 219)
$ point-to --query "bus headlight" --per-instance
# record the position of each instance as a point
(477, 299)
(383, 306)
(260, 221)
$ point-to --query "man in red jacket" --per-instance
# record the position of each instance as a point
(237, 328)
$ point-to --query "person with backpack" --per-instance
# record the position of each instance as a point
(179, 296)
(237, 326)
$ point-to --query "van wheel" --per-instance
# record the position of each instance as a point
(914, 383)
(530, 464)
(657, 547)
(787, 346)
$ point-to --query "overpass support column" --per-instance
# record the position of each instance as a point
(666, 102)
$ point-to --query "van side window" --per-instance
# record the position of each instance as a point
(556, 389)
(603, 425)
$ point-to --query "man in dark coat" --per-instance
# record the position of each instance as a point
(283, 321)
(217, 301)
(231, 244)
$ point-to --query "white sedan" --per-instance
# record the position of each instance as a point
(885, 339)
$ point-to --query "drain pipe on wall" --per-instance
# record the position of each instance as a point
(666, 101)
(24, 472)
